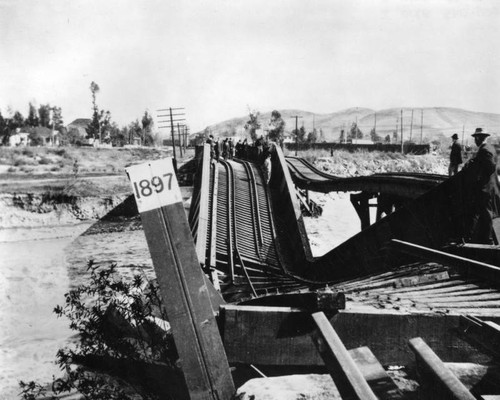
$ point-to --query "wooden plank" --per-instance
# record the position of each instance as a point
(280, 335)
(375, 374)
(181, 281)
(467, 266)
(319, 300)
(421, 279)
(204, 198)
(344, 371)
(436, 377)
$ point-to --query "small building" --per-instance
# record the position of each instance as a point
(362, 141)
(19, 138)
(79, 124)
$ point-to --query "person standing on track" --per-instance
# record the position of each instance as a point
(455, 156)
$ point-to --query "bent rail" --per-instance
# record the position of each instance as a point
(409, 185)
(271, 242)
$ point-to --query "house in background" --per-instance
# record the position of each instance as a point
(19, 138)
(80, 125)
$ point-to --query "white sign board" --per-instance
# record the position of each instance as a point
(154, 184)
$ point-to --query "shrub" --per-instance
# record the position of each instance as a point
(92, 309)
(45, 161)
(27, 152)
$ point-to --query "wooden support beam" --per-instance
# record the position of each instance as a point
(362, 207)
(436, 377)
(181, 281)
(344, 371)
(489, 254)
(280, 335)
(465, 265)
(375, 374)
(319, 300)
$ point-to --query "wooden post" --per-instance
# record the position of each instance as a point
(440, 382)
(173, 137)
(347, 376)
(180, 140)
(182, 285)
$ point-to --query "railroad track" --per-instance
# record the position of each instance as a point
(409, 185)
(241, 243)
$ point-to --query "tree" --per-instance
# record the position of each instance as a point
(134, 130)
(73, 137)
(300, 134)
(105, 126)
(388, 139)
(94, 127)
(395, 136)
(277, 128)
(117, 136)
(253, 123)
(57, 119)
(4, 129)
(32, 119)
(374, 137)
(147, 128)
(94, 89)
(312, 137)
(342, 137)
(355, 132)
(44, 115)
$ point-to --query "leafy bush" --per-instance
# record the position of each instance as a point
(114, 319)
(45, 161)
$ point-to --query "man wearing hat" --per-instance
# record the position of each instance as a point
(485, 189)
(455, 156)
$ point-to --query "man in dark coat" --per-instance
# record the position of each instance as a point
(485, 189)
(455, 156)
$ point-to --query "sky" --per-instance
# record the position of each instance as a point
(219, 58)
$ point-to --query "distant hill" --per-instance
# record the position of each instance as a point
(438, 122)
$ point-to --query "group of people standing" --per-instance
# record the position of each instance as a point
(483, 184)
(259, 151)
(228, 148)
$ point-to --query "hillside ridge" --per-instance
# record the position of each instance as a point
(429, 123)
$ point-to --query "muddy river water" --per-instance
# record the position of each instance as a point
(39, 265)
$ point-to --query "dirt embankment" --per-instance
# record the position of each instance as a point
(41, 186)
(45, 209)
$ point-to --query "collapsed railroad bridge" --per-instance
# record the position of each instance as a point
(399, 278)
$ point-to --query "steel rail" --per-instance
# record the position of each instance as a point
(233, 234)
(254, 205)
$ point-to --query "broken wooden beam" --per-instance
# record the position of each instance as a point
(181, 281)
(466, 266)
(375, 374)
(344, 371)
(436, 377)
(317, 300)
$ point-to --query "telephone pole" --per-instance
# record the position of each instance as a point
(411, 124)
(173, 118)
(402, 151)
(296, 132)
(421, 124)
